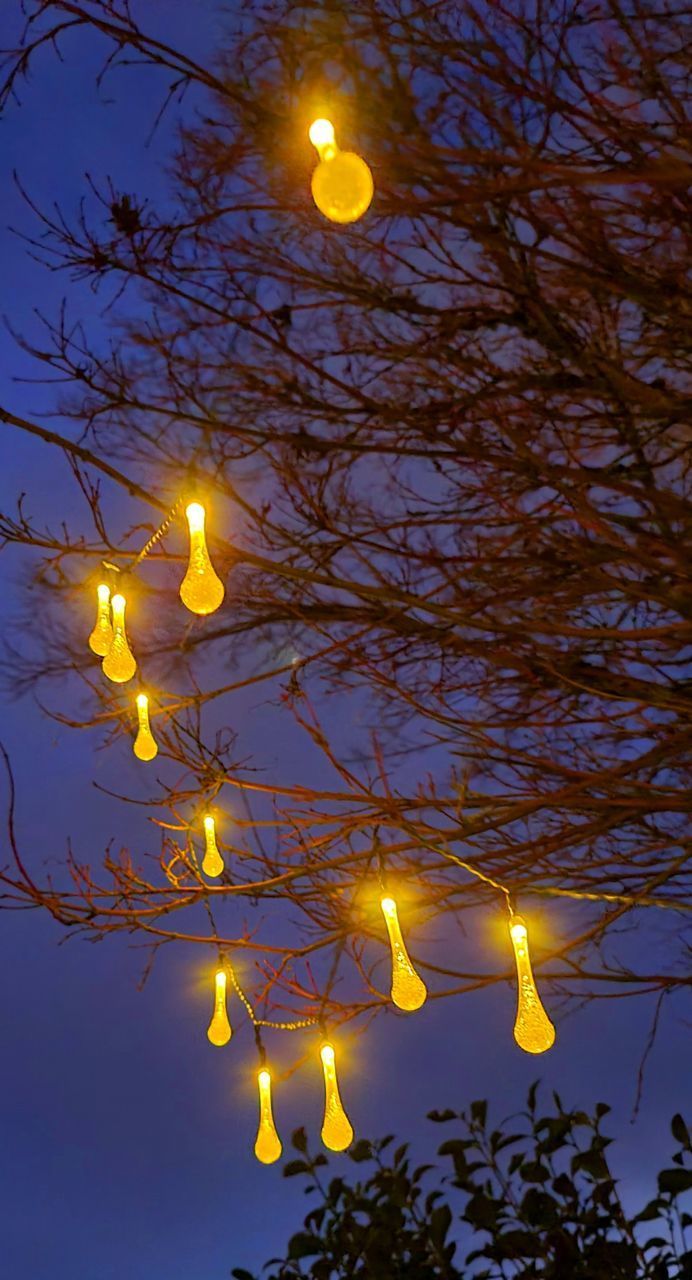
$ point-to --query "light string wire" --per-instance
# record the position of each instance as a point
(262, 1022)
(225, 963)
(131, 564)
(460, 862)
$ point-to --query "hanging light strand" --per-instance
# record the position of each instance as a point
(459, 862)
(533, 1030)
(156, 537)
(266, 1022)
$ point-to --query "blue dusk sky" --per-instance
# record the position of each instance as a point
(125, 1140)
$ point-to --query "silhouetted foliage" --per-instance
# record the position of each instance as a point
(532, 1198)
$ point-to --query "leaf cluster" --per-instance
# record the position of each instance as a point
(534, 1197)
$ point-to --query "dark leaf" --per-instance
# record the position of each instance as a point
(360, 1151)
(303, 1245)
(591, 1162)
(680, 1131)
(534, 1171)
(441, 1117)
(650, 1211)
(481, 1211)
(479, 1111)
(299, 1139)
(440, 1222)
(675, 1180)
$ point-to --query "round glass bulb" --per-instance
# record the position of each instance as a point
(342, 187)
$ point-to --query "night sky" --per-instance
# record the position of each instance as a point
(125, 1140)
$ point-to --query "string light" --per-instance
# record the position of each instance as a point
(409, 991)
(533, 1030)
(342, 188)
(268, 1143)
(219, 1029)
(337, 1132)
(342, 185)
(145, 747)
(101, 637)
(119, 664)
(212, 864)
(201, 590)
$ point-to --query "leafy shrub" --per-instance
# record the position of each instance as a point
(532, 1198)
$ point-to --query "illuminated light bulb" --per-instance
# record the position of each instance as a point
(219, 1029)
(337, 1133)
(119, 663)
(101, 637)
(342, 185)
(268, 1143)
(321, 135)
(213, 862)
(408, 990)
(533, 1030)
(201, 590)
(145, 747)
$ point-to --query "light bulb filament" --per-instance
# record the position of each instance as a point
(408, 989)
(119, 664)
(268, 1143)
(213, 863)
(337, 1132)
(201, 590)
(145, 747)
(219, 1029)
(533, 1030)
(101, 637)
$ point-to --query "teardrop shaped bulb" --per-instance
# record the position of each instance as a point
(119, 664)
(201, 590)
(268, 1143)
(145, 747)
(533, 1030)
(219, 1029)
(342, 185)
(409, 991)
(101, 637)
(337, 1132)
(213, 863)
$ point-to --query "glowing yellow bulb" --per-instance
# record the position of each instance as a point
(101, 637)
(213, 862)
(201, 590)
(321, 135)
(119, 663)
(219, 1029)
(408, 989)
(145, 747)
(337, 1133)
(342, 185)
(533, 1030)
(268, 1143)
